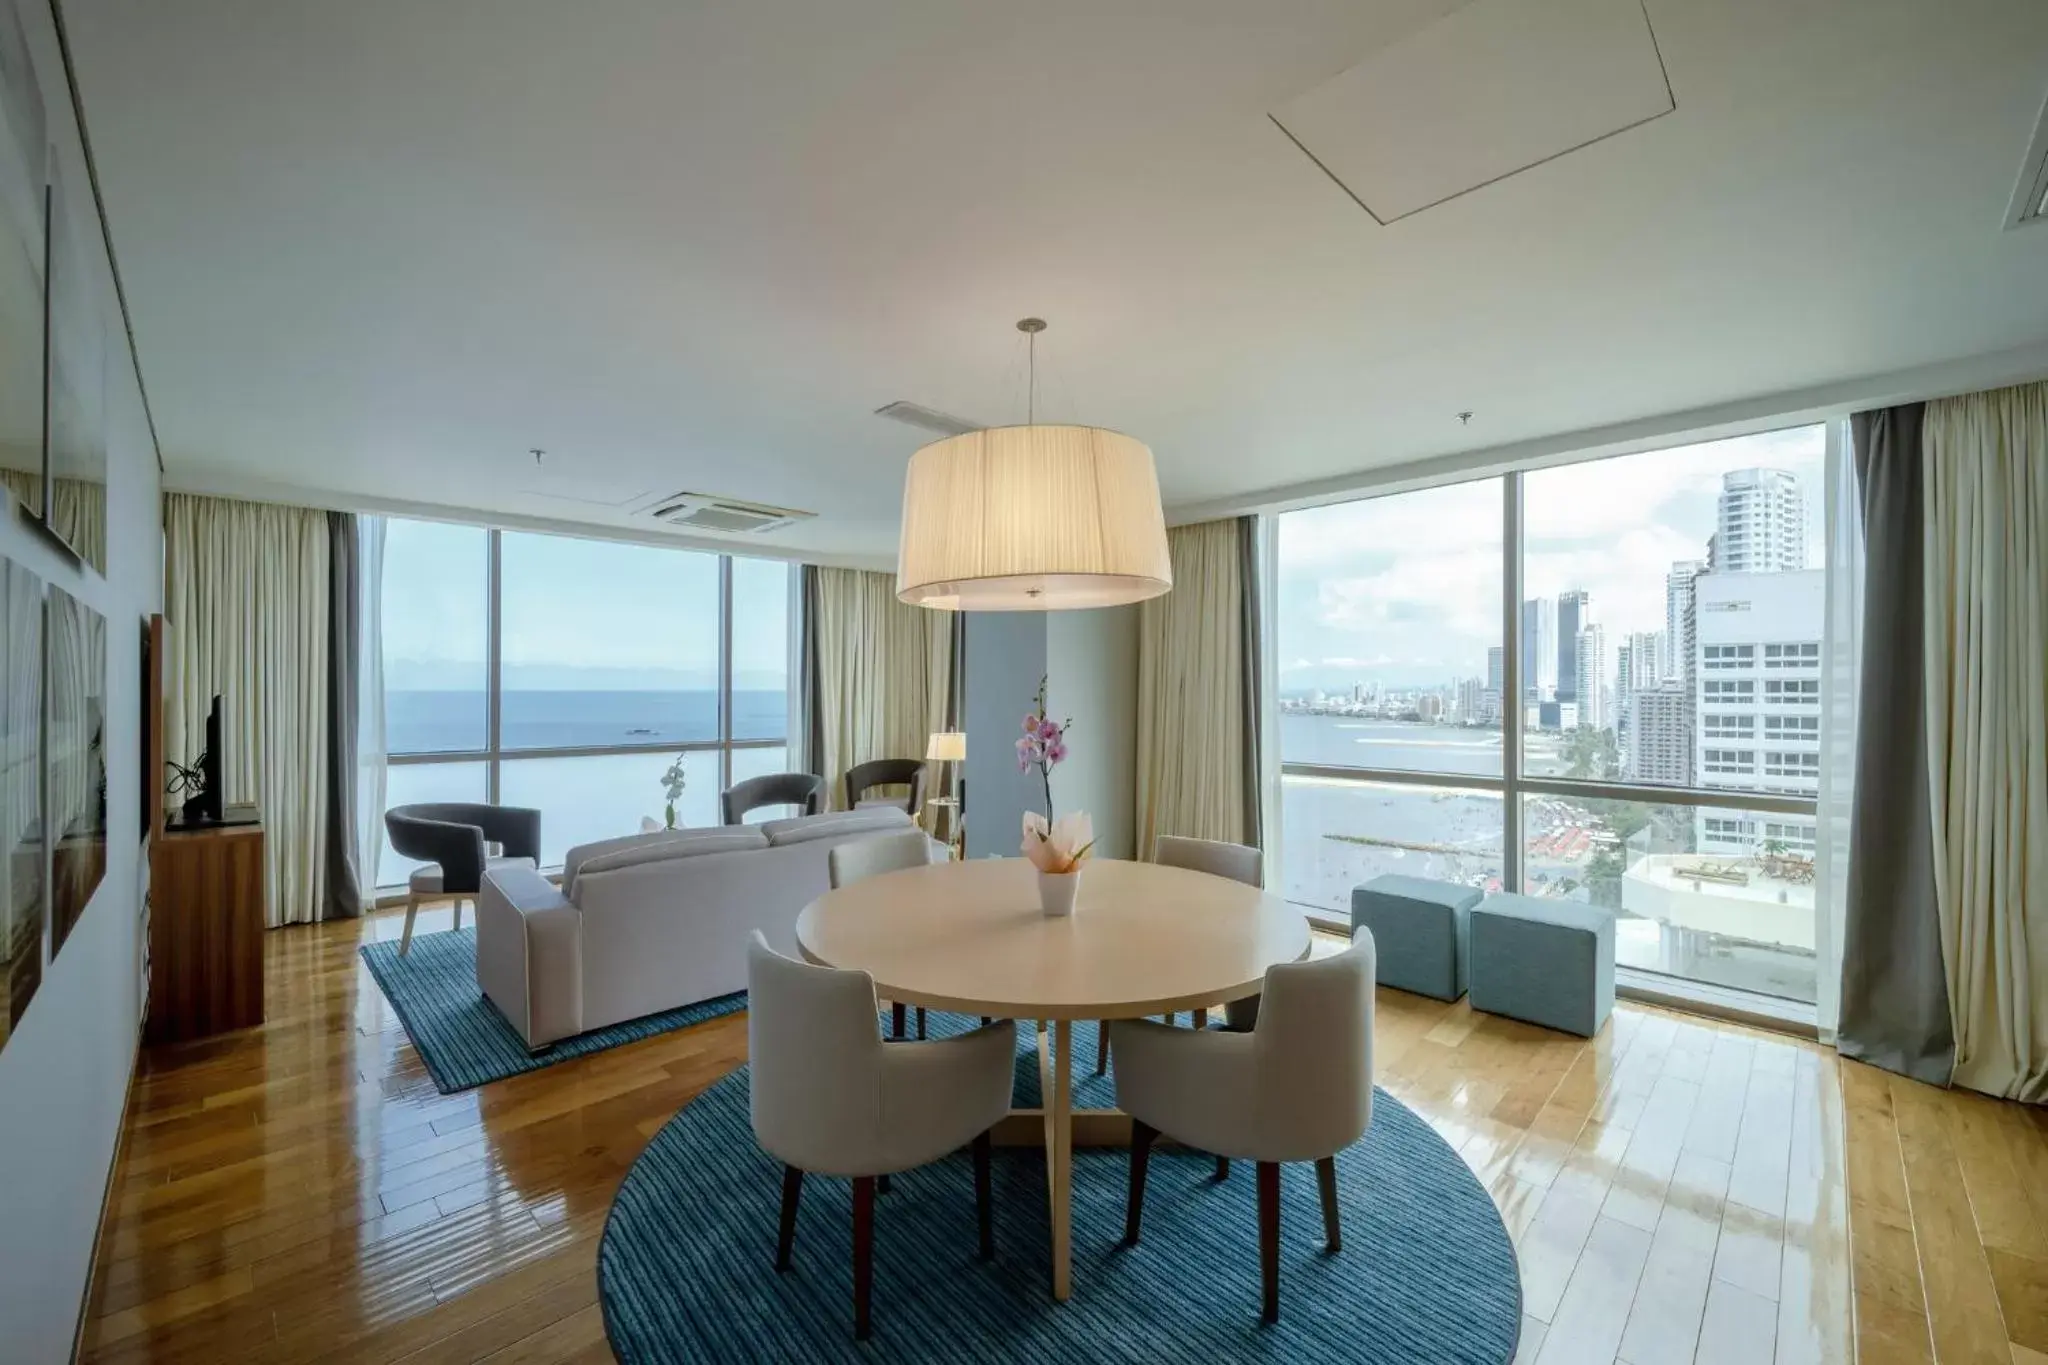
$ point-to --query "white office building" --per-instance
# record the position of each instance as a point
(1539, 650)
(1589, 654)
(1678, 643)
(1758, 701)
(1761, 523)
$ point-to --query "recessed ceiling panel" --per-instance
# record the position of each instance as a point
(1492, 89)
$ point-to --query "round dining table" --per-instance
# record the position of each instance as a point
(970, 937)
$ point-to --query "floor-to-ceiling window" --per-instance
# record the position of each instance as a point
(1597, 681)
(568, 674)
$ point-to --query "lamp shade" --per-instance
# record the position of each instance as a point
(1033, 518)
(947, 746)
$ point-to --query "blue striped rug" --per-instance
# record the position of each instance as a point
(461, 1036)
(1427, 1275)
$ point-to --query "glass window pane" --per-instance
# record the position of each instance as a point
(760, 649)
(1341, 833)
(606, 643)
(1674, 603)
(1716, 895)
(582, 800)
(1389, 626)
(405, 783)
(748, 763)
(435, 628)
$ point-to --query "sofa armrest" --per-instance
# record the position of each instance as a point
(529, 954)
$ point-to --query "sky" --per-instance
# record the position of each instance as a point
(578, 614)
(1405, 590)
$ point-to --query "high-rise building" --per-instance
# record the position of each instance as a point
(1539, 650)
(1761, 523)
(1660, 736)
(1471, 707)
(1574, 610)
(1759, 684)
(1496, 670)
(1678, 593)
(1589, 688)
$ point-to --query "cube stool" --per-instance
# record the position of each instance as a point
(1548, 962)
(1419, 929)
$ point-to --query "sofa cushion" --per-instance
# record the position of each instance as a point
(835, 825)
(608, 854)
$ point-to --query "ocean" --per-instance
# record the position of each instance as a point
(447, 722)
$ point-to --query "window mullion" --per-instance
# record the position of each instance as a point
(494, 660)
(724, 672)
(1512, 663)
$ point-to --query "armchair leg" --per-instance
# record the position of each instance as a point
(1142, 1134)
(1326, 1178)
(881, 1184)
(1223, 1168)
(920, 1023)
(458, 917)
(412, 911)
(984, 1195)
(1201, 1019)
(1269, 1238)
(896, 1020)
(1101, 1046)
(792, 1191)
(863, 1252)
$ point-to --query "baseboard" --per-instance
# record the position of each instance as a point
(99, 1235)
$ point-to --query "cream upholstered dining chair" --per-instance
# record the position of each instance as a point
(830, 1098)
(1298, 1087)
(1238, 863)
(863, 858)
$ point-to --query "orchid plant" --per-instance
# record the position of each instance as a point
(672, 784)
(1060, 845)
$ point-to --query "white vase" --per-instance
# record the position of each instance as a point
(1056, 892)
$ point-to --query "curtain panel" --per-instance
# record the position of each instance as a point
(1894, 1010)
(1986, 616)
(1197, 767)
(246, 596)
(877, 673)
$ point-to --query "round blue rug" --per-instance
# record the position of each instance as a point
(686, 1268)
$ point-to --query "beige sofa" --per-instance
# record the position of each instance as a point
(651, 922)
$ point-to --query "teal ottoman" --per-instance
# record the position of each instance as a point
(1548, 962)
(1418, 928)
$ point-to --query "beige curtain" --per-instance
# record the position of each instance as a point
(883, 673)
(1191, 692)
(78, 511)
(1987, 635)
(245, 595)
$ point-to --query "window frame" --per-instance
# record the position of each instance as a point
(493, 755)
(1514, 784)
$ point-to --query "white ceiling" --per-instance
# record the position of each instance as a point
(376, 250)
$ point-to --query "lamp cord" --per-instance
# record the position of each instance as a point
(1031, 379)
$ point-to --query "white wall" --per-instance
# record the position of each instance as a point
(64, 1073)
(1092, 665)
(1005, 660)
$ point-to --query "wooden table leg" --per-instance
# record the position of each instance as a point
(1062, 1162)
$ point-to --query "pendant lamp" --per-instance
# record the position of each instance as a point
(1032, 518)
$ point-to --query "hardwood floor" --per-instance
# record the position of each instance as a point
(1678, 1189)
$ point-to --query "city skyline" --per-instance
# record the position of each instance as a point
(1388, 591)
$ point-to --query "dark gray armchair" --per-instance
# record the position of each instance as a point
(776, 789)
(887, 772)
(453, 836)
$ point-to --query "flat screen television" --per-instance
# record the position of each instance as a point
(210, 766)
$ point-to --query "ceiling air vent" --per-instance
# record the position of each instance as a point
(944, 423)
(2030, 196)
(700, 512)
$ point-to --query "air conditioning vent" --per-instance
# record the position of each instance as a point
(700, 512)
(2030, 196)
(944, 423)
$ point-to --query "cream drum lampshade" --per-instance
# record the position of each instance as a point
(947, 746)
(1032, 518)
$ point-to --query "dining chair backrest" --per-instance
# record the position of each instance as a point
(814, 1058)
(863, 858)
(1237, 862)
(1314, 1043)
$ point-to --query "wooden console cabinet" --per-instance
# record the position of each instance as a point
(206, 924)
